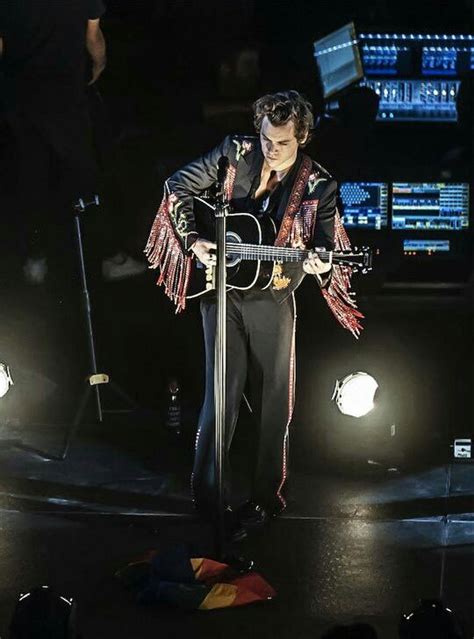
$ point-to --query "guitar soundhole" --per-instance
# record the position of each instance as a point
(232, 238)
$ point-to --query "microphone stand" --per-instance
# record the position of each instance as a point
(238, 564)
(222, 209)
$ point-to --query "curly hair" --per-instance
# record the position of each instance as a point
(282, 107)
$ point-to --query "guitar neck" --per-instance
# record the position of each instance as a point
(272, 253)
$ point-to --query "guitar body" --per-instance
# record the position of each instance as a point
(242, 228)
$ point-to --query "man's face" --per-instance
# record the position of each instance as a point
(279, 144)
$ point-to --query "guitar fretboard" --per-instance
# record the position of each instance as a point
(272, 253)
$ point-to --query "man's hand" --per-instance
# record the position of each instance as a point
(314, 266)
(202, 250)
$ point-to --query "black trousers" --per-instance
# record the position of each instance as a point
(260, 349)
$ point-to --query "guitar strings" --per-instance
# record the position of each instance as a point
(272, 253)
(271, 250)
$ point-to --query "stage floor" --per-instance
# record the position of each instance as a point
(360, 543)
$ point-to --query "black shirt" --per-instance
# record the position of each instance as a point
(44, 49)
(274, 204)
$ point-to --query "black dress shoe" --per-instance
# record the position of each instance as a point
(240, 565)
(234, 531)
(252, 515)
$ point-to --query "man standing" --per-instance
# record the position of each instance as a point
(269, 176)
(43, 48)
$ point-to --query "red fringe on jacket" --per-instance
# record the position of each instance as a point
(165, 252)
(338, 295)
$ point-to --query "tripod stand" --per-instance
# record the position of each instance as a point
(96, 380)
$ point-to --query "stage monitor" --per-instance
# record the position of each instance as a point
(433, 206)
(364, 204)
(391, 59)
(338, 59)
(428, 248)
(416, 100)
(416, 55)
(449, 60)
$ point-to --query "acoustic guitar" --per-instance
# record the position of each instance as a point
(252, 259)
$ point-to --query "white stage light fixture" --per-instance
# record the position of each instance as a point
(354, 395)
(5, 380)
(42, 612)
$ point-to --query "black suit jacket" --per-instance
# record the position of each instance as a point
(246, 158)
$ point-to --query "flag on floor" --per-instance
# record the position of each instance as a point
(192, 583)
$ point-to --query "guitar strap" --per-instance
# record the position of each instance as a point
(294, 201)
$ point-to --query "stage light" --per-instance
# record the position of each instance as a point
(430, 619)
(5, 379)
(354, 395)
(44, 614)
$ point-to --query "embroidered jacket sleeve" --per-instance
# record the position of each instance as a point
(191, 180)
(336, 285)
(173, 231)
